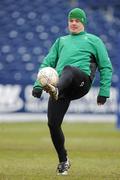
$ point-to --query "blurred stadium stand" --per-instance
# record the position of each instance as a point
(28, 28)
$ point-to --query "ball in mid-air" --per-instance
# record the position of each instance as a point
(48, 75)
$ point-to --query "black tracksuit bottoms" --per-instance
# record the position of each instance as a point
(73, 84)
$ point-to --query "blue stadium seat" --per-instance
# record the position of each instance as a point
(28, 29)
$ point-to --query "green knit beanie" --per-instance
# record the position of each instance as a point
(78, 14)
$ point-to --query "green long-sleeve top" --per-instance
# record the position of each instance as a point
(85, 51)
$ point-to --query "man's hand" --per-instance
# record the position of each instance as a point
(36, 92)
(101, 100)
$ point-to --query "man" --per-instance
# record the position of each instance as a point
(76, 58)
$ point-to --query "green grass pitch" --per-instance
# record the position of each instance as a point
(27, 153)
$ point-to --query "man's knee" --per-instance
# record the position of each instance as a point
(53, 126)
(53, 122)
(68, 71)
(67, 68)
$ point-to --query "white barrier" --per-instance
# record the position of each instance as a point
(28, 117)
(17, 104)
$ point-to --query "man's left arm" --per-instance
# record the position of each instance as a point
(105, 69)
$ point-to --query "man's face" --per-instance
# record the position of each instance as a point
(75, 26)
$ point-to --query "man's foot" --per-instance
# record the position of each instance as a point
(63, 168)
(52, 90)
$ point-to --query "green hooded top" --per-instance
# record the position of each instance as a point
(85, 51)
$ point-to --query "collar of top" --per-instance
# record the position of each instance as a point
(80, 33)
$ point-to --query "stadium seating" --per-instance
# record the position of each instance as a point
(28, 28)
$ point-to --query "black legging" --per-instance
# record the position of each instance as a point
(73, 84)
(56, 112)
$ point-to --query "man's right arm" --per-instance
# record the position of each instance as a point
(49, 61)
